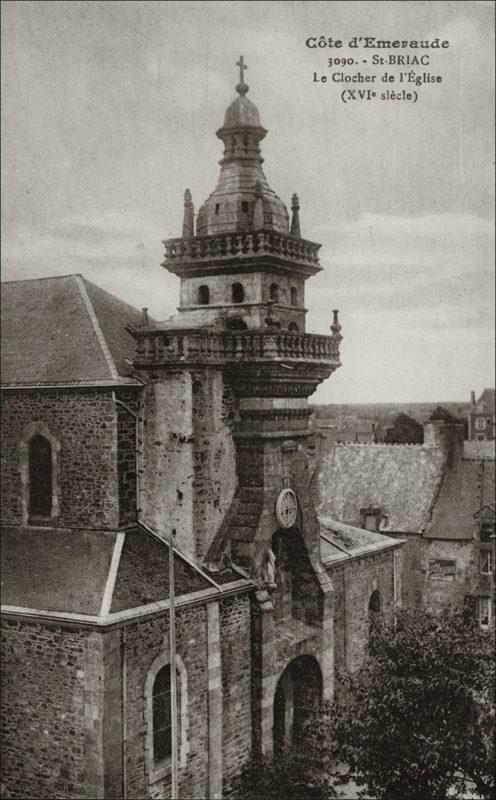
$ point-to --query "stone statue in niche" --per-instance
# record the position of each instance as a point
(269, 571)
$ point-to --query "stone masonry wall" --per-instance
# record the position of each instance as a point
(146, 641)
(188, 460)
(213, 456)
(46, 743)
(236, 685)
(83, 422)
(439, 590)
(126, 456)
(353, 584)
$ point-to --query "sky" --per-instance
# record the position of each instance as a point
(109, 111)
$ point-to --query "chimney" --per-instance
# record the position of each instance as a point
(472, 398)
(448, 437)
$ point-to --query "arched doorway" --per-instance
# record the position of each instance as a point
(298, 694)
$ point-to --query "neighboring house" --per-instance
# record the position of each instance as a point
(432, 495)
(482, 416)
(120, 432)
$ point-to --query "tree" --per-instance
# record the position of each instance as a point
(293, 776)
(442, 413)
(405, 430)
(412, 723)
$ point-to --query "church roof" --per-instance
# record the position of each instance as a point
(400, 480)
(65, 330)
(98, 575)
(339, 542)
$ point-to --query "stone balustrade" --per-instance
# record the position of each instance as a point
(244, 244)
(168, 347)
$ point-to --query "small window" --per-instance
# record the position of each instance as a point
(484, 611)
(294, 296)
(203, 295)
(486, 562)
(40, 477)
(480, 424)
(375, 602)
(237, 293)
(217, 206)
(487, 531)
(274, 292)
(480, 408)
(245, 207)
(293, 327)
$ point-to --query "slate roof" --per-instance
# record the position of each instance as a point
(466, 489)
(339, 542)
(480, 450)
(96, 573)
(488, 397)
(401, 480)
(65, 331)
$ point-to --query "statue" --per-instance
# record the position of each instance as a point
(269, 571)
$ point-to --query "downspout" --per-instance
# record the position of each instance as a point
(172, 620)
(124, 718)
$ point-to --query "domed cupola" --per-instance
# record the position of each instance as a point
(242, 198)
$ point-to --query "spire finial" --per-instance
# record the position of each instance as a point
(189, 216)
(295, 219)
(242, 87)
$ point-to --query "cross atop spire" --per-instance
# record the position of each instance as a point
(242, 87)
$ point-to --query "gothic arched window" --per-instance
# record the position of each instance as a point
(294, 296)
(203, 295)
(40, 477)
(237, 293)
(274, 292)
(293, 327)
(162, 724)
(159, 717)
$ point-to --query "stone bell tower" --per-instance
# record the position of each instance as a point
(240, 339)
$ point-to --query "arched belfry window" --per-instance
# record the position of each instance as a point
(203, 295)
(237, 293)
(159, 718)
(40, 477)
(294, 296)
(274, 292)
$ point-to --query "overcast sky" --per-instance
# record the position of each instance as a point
(110, 111)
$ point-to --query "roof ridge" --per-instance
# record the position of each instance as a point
(45, 278)
(96, 327)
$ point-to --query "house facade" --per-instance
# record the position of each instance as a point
(482, 416)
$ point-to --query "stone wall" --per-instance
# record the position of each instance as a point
(236, 687)
(353, 584)
(126, 455)
(449, 571)
(188, 464)
(145, 642)
(83, 424)
(52, 708)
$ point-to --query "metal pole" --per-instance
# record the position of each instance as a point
(172, 645)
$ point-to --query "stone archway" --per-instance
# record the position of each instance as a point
(298, 693)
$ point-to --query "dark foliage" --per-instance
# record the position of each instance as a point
(405, 430)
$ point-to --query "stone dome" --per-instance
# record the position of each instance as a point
(242, 112)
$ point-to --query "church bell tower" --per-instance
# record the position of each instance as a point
(229, 376)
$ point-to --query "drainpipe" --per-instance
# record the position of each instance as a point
(172, 618)
(124, 718)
